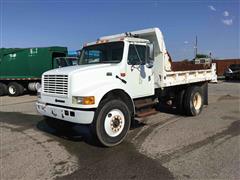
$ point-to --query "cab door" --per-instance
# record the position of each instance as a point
(139, 76)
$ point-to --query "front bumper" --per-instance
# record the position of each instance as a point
(65, 113)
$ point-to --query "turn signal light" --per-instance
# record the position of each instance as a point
(88, 100)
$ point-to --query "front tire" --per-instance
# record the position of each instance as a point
(111, 122)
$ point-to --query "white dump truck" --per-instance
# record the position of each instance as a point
(120, 77)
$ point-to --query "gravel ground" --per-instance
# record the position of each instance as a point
(165, 146)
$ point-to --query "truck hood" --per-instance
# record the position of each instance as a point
(79, 68)
(87, 80)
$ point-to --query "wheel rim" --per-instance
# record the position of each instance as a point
(12, 90)
(197, 101)
(114, 122)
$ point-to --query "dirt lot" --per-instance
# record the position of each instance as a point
(168, 146)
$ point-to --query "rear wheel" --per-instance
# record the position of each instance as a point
(3, 89)
(58, 125)
(15, 89)
(180, 102)
(111, 122)
(193, 102)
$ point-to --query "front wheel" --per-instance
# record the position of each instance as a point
(111, 122)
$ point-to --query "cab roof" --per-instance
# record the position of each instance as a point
(117, 39)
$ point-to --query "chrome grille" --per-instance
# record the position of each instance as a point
(56, 84)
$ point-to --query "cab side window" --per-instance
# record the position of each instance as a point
(137, 54)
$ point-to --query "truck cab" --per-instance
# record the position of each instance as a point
(117, 77)
(129, 56)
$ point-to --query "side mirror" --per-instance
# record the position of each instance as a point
(150, 55)
(150, 48)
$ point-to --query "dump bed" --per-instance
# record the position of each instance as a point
(185, 77)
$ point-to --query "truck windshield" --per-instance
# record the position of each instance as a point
(66, 61)
(102, 53)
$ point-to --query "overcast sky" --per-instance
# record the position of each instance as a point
(71, 23)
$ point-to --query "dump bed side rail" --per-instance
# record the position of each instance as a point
(185, 77)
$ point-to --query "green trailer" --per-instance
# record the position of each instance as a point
(21, 68)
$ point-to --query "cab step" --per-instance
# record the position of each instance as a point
(144, 103)
(146, 113)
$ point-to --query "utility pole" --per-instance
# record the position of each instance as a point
(196, 47)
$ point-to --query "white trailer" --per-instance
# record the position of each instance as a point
(120, 77)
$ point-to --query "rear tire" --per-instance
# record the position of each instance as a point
(111, 122)
(193, 102)
(15, 89)
(180, 102)
(58, 125)
(3, 89)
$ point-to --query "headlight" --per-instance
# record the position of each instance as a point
(87, 100)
